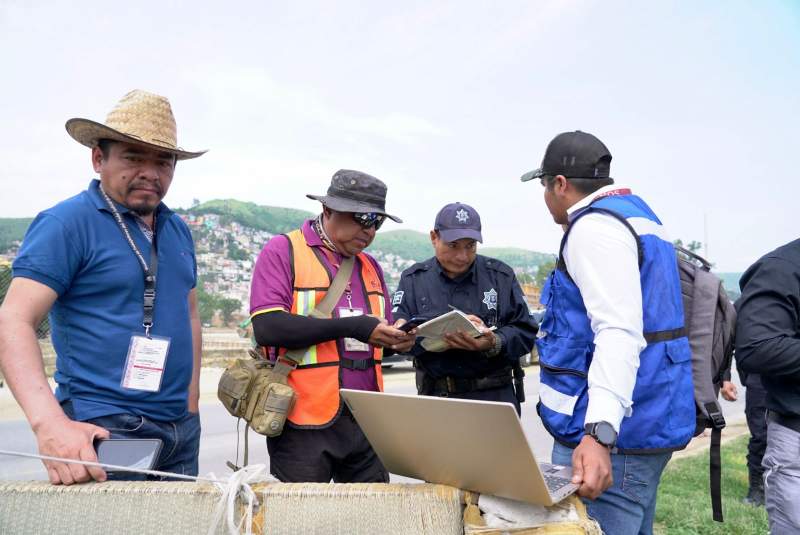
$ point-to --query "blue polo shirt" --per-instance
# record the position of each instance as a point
(77, 249)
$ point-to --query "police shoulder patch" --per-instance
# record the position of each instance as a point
(398, 298)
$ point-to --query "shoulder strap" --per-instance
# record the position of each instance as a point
(699, 320)
(324, 309)
(561, 265)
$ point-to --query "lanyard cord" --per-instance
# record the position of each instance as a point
(149, 271)
(328, 250)
(125, 231)
(326, 241)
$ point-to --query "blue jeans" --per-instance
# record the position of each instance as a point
(629, 505)
(180, 441)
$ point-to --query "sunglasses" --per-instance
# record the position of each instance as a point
(369, 219)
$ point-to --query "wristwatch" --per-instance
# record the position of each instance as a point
(602, 432)
(497, 346)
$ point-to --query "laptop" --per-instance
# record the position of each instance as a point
(472, 445)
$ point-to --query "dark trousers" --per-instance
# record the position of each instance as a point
(180, 441)
(756, 412)
(339, 452)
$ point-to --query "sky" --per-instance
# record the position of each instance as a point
(698, 102)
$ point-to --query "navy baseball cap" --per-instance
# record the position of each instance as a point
(456, 221)
(574, 155)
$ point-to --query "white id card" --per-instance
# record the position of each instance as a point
(144, 367)
(351, 344)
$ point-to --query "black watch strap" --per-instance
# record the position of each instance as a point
(602, 432)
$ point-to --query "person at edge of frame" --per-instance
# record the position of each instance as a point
(768, 344)
(756, 412)
(116, 270)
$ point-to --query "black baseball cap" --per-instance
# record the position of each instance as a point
(456, 221)
(575, 155)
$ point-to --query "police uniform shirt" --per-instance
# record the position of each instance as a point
(489, 290)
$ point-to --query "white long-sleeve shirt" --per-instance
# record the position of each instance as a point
(602, 258)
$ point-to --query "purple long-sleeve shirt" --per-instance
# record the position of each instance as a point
(271, 289)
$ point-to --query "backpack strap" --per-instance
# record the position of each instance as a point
(715, 474)
(649, 337)
(561, 265)
(701, 318)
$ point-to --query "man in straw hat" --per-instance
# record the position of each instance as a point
(116, 270)
(293, 273)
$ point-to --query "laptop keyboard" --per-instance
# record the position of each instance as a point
(554, 483)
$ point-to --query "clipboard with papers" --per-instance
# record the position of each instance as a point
(433, 331)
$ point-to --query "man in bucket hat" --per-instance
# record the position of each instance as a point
(116, 270)
(321, 441)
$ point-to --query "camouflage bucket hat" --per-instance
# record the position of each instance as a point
(354, 191)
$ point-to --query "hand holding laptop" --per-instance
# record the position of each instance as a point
(591, 468)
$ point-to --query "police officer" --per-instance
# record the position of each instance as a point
(485, 289)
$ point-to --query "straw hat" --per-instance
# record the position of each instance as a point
(141, 118)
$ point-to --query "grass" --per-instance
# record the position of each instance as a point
(684, 502)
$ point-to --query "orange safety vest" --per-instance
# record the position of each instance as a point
(316, 380)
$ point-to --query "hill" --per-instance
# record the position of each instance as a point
(12, 230)
(409, 244)
(406, 244)
(273, 219)
(417, 246)
(516, 257)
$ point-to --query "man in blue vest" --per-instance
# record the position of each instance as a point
(616, 382)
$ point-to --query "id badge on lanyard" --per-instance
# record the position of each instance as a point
(147, 354)
(351, 344)
(145, 363)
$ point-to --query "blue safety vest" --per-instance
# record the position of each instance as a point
(663, 415)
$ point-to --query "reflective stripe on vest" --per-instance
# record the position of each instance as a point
(316, 379)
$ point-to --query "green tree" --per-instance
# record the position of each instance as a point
(237, 253)
(227, 307)
(543, 272)
(693, 246)
(525, 278)
(206, 304)
(5, 281)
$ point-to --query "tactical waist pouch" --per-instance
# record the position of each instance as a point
(256, 390)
